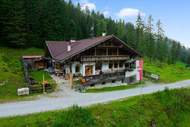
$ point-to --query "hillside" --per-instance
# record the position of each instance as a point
(11, 71)
(168, 72)
(162, 109)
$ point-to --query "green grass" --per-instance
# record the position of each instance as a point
(168, 73)
(11, 71)
(165, 109)
(39, 74)
(114, 88)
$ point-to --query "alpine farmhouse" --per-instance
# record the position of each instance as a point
(97, 60)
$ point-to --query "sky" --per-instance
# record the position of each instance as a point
(174, 14)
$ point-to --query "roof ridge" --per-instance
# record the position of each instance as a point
(78, 42)
(80, 39)
(100, 41)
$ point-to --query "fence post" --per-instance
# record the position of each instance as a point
(71, 80)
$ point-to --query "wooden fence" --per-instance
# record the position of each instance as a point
(39, 89)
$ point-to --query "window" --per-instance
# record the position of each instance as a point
(77, 68)
(110, 65)
(58, 66)
(120, 65)
(88, 70)
(115, 65)
(98, 66)
(127, 65)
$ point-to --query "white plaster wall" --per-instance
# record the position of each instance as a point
(105, 67)
(67, 68)
(81, 69)
(73, 67)
(137, 70)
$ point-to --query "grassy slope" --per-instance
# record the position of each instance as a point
(11, 71)
(165, 109)
(39, 74)
(169, 73)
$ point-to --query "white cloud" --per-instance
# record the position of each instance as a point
(86, 4)
(106, 13)
(129, 12)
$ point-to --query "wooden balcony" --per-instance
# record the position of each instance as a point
(103, 58)
(105, 77)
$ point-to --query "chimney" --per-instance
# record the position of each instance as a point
(103, 34)
(69, 47)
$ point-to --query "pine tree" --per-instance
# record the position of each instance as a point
(161, 49)
(174, 51)
(160, 31)
(149, 37)
(121, 30)
(139, 34)
(14, 24)
(130, 34)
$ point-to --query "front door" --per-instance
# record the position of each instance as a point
(88, 70)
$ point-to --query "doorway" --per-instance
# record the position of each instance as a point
(88, 70)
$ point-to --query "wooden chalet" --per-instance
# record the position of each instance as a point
(98, 60)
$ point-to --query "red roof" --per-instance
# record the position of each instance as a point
(58, 49)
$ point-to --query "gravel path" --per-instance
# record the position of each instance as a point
(57, 101)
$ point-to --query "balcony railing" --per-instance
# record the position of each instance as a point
(103, 58)
(105, 77)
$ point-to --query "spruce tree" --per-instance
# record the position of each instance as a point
(161, 49)
(139, 34)
(149, 37)
(130, 34)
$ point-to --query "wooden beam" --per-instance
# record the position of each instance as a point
(95, 51)
(117, 52)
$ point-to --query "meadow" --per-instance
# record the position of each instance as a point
(161, 109)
